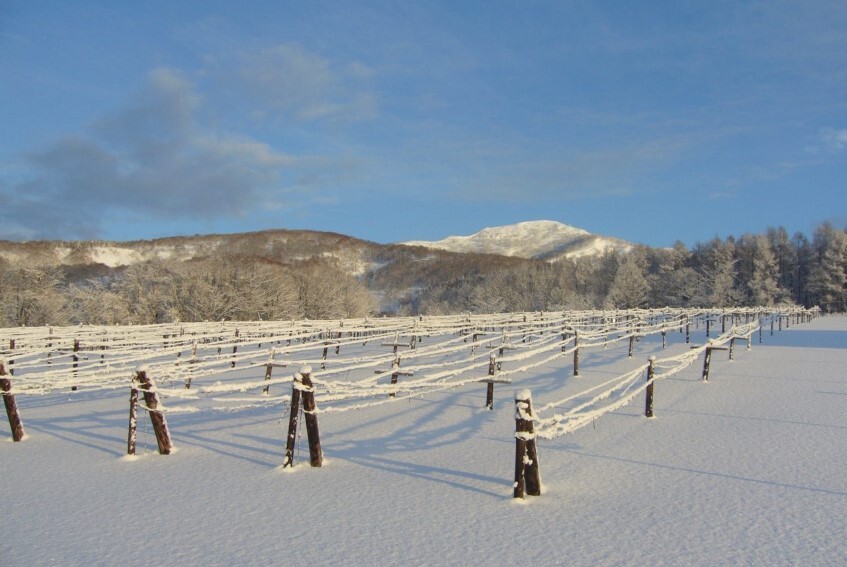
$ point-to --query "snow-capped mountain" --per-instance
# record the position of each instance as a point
(544, 240)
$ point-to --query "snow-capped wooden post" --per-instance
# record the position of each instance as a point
(707, 361)
(288, 461)
(269, 368)
(489, 390)
(157, 418)
(631, 344)
(11, 360)
(303, 384)
(575, 352)
(651, 374)
(234, 349)
(687, 330)
(708, 324)
(310, 414)
(75, 363)
(15, 423)
(527, 478)
(191, 364)
(133, 418)
(732, 348)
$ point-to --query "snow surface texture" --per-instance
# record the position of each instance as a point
(547, 240)
(747, 469)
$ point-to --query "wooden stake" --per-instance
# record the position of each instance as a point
(133, 419)
(12, 413)
(76, 361)
(527, 478)
(707, 361)
(648, 406)
(576, 353)
(269, 368)
(489, 391)
(292, 425)
(157, 418)
(311, 416)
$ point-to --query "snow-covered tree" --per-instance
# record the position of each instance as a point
(629, 288)
(827, 278)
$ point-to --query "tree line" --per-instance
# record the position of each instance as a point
(160, 291)
(752, 270)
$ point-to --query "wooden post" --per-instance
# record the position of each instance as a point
(732, 348)
(395, 365)
(157, 418)
(15, 423)
(631, 343)
(310, 413)
(76, 361)
(648, 406)
(191, 365)
(687, 331)
(269, 368)
(288, 461)
(527, 478)
(234, 349)
(707, 361)
(303, 383)
(11, 360)
(489, 391)
(133, 419)
(576, 353)
(708, 324)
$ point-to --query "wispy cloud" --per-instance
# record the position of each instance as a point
(149, 157)
(307, 86)
(833, 139)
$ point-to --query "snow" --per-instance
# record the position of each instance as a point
(114, 256)
(748, 470)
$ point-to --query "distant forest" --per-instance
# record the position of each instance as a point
(752, 270)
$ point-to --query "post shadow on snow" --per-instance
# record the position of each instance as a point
(763, 419)
(95, 430)
(708, 473)
(806, 338)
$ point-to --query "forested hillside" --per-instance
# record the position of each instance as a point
(305, 274)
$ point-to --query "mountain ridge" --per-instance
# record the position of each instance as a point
(547, 240)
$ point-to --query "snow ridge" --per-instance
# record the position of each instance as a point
(543, 239)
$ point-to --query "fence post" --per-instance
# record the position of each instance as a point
(157, 418)
(707, 360)
(489, 392)
(311, 416)
(234, 349)
(191, 364)
(303, 383)
(12, 413)
(292, 423)
(576, 353)
(133, 418)
(75, 362)
(648, 406)
(269, 370)
(11, 360)
(527, 478)
(732, 348)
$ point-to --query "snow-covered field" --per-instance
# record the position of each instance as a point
(746, 469)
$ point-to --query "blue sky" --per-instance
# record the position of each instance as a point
(392, 121)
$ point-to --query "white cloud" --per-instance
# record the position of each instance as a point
(302, 83)
(150, 157)
(834, 139)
